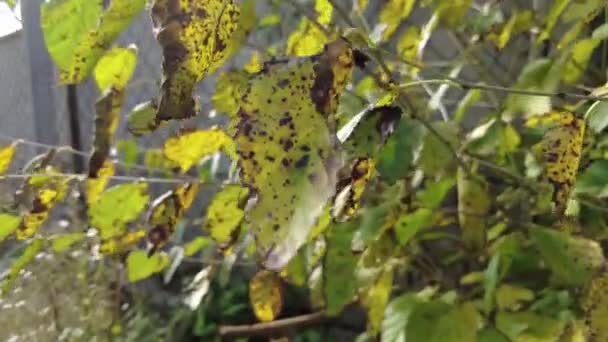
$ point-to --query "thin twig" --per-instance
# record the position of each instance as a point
(118, 178)
(272, 328)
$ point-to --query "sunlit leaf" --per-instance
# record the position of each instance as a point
(407, 46)
(555, 12)
(116, 207)
(196, 245)
(121, 243)
(63, 242)
(228, 89)
(30, 252)
(392, 13)
(451, 12)
(309, 39)
(225, 214)
(194, 37)
(286, 141)
(188, 149)
(339, 265)
(246, 23)
(115, 68)
(254, 65)
(8, 224)
(141, 266)
(597, 116)
(167, 210)
(573, 260)
(51, 191)
(265, 295)
(474, 203)
(561, 149)
(577, 63)
(6, 156)
(95, 186)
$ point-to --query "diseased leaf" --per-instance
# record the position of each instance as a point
(392, 13)
(225, 214)
(166, 211)
(115, 68)
(95, 186)
(49, 192)
(194, 37)
(107, 114)
(8, 225)
(121, 243)
(186, 150)
(30, 252)
(265, 295)
(595, 307)
(339, 265)
(6, 156)
(116, 207)
(561, 149)
(286, 141)
(350, 189)
(141, 266)
(474, 203)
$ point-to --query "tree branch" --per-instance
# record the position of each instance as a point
(272, 328)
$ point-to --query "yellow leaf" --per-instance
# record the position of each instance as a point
(92, 46)
(51, 192)
(6, 156)
(187, 149)
(376, 300)
(8, 224)
(474, 204)
(225, 214)
(115, 68)
(307, 40)
(407, 46)
(195, 37)
(141, 266)
(95, 186)
(393, 13)
(561, 149)
(228, 89)
(265, 295)
(286, 140)
(254, 64)
(122, 243)
(350, 190)
(167, 210)
(324, 10)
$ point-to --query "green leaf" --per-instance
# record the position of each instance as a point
(339, 265)
(397, 318)
(491, 277)
(287, 147)
(509, 297)
(196, 245)
(451, 12)
(409, 225)
(490, 334)
(62, 242)
(474, 203)
(594, 181)
(457, 325)
(117, 207)
(435, 192)
(8, 225)
(141, 266)
(435, 156)
(528, 326)
(32, 249)
(397, 155)
(554, 13)
(597, 116)
(115, 68)
(228, 89)
(376, 299)
(473, 96)
(225, 214)
(573, 260)
(196, 40)
(577, 63)
(142, 118)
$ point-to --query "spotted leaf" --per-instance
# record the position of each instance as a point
(49, 191)
(122, 243)
(95, 186)
(595, 307)
(561, 149)
(194, 36)
(265, 295)
(107, 109)
(350, 189)
(286, 141)
(225, 214)
(167, 210)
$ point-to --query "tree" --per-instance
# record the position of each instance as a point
(353, 180)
